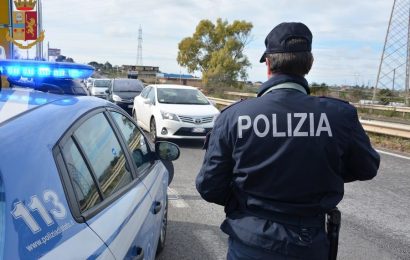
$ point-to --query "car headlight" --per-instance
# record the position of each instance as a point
(169, 116)
(116, 98)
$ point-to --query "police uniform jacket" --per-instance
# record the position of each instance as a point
(283, 154)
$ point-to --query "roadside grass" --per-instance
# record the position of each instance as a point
(384, 113)
(390, 142)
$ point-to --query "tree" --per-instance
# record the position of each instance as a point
(217, 51)
(107, 66)
(96, 65)
(385, 96)
(62, 58)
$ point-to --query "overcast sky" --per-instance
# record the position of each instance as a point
(348, 35)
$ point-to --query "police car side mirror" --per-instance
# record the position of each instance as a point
(147, 101)
(107, 91)
(167, 151)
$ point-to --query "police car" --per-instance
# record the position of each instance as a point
(78, 178)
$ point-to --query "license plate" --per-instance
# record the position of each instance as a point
(198, 130)
(130, 106)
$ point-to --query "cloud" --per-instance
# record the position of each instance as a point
(348, 35)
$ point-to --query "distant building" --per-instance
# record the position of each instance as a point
(145, 73)
(174, 76)
(181, 79)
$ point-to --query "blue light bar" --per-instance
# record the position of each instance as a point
(42, 69)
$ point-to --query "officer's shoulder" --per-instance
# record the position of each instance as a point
(337, 101)
(227, 108)
(345, 105)
(332, 99)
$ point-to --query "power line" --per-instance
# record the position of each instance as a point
(394, 67)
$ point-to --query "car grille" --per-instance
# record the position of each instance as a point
(196, 120)
(186, 131)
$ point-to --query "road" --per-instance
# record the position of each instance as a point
(375, 225)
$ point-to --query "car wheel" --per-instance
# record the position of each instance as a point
(153, 130)
(163, 233)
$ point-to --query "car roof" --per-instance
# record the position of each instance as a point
(120, 79)
(24, 104)
(173, 86)
(16, 101)
(102, 79)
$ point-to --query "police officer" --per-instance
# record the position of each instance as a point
(278, 162)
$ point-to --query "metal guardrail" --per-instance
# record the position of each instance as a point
(392, 129)
(357, 105)
(381, 107)
(398, 130)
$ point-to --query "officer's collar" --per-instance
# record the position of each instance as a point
(283, 78)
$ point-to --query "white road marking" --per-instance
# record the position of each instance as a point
(395, 155)
(210, 240)
(175, 200)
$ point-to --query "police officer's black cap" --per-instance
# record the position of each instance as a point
(276, 40)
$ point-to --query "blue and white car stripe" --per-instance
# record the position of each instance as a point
(119, 230)
(83, 245)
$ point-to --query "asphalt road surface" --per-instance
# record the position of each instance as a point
(375, 214)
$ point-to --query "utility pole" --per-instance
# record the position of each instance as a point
(39, 46)
(139, 51)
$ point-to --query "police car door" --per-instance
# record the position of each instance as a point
(120, 213)
(151, 172)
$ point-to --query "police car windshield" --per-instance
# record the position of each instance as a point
(127, 85)
(102, 83)
(181, 96)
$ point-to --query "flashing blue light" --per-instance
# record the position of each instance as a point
(73, 73)
(26, 98)
(41, 69)
(13, 71)
(12, 97)
(40, 101)
(59, 73)
(43, 72)
(28, 72)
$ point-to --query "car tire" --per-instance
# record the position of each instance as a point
(153, 130)
(163, 232)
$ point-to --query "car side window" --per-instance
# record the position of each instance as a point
(145, 92)
(151, 96)
(148, 92)
(104, 152)
(135, 140)
(81, 178)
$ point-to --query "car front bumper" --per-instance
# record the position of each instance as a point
(182, 130)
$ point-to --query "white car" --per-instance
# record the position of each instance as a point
(99, 86)
(174, 111)
(89, 82)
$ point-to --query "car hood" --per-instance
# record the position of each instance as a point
(126, 95)
(189, 110)
(99, 90)
(102, 89)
